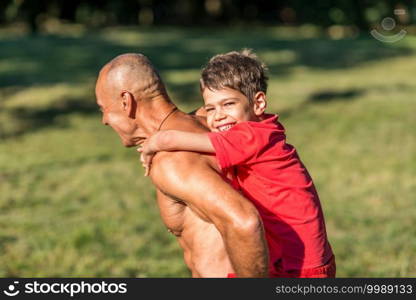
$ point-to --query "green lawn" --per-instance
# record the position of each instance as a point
(74, 202)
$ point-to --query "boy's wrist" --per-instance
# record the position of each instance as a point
(156, 144)
(151, 146)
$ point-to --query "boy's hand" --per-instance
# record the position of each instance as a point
(146, 156)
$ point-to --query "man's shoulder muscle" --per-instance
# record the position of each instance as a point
(176, 167)
(193, 181)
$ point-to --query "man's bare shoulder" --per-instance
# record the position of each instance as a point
(191, 123)
(183, 161)
(182, 166)
(179, 168)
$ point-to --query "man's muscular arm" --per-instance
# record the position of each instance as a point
(188, 177)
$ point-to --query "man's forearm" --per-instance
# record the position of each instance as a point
(247, 249)
(212, 199)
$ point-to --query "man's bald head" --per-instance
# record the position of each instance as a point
(131, 72)
(132, 97)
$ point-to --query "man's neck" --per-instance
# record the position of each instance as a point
(154, 113)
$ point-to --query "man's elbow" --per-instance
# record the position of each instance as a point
(249, 225)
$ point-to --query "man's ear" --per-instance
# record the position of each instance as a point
(260, 103)
(129, 103)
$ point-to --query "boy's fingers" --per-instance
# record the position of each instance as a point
(147, 170)
(146, 161)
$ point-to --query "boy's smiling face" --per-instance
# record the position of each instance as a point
(227, 107)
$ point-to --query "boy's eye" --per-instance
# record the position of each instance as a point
(208, 109)
(228, 103)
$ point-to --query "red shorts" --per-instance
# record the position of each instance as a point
(326, 271)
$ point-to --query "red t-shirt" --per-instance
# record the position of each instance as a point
(270, 173)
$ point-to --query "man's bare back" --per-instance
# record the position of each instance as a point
(219, 230)
(196, 233)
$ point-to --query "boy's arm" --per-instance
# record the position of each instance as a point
(173, 140)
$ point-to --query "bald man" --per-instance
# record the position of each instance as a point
(218, 229)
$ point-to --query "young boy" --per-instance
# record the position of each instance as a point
(250, 145)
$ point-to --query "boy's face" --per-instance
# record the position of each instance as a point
(227, 107)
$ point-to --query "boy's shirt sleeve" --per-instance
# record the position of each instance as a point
(236, 146)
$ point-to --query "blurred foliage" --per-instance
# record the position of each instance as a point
(360, 14)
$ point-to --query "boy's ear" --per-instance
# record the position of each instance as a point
(129, 103)
(260, 103)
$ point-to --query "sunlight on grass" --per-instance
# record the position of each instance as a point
(74, 202)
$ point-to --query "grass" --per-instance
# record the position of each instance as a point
(74, 202)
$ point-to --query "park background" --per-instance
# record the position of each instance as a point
(74, 202)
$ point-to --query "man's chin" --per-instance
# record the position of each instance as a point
(133, 143)
(127, 144)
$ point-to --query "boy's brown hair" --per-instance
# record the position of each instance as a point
(241, 71)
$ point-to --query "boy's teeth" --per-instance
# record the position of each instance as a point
(224, 128)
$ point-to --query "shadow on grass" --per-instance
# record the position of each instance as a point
(331, 95)
(27, 120)
(52, 59)
(323, 97)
